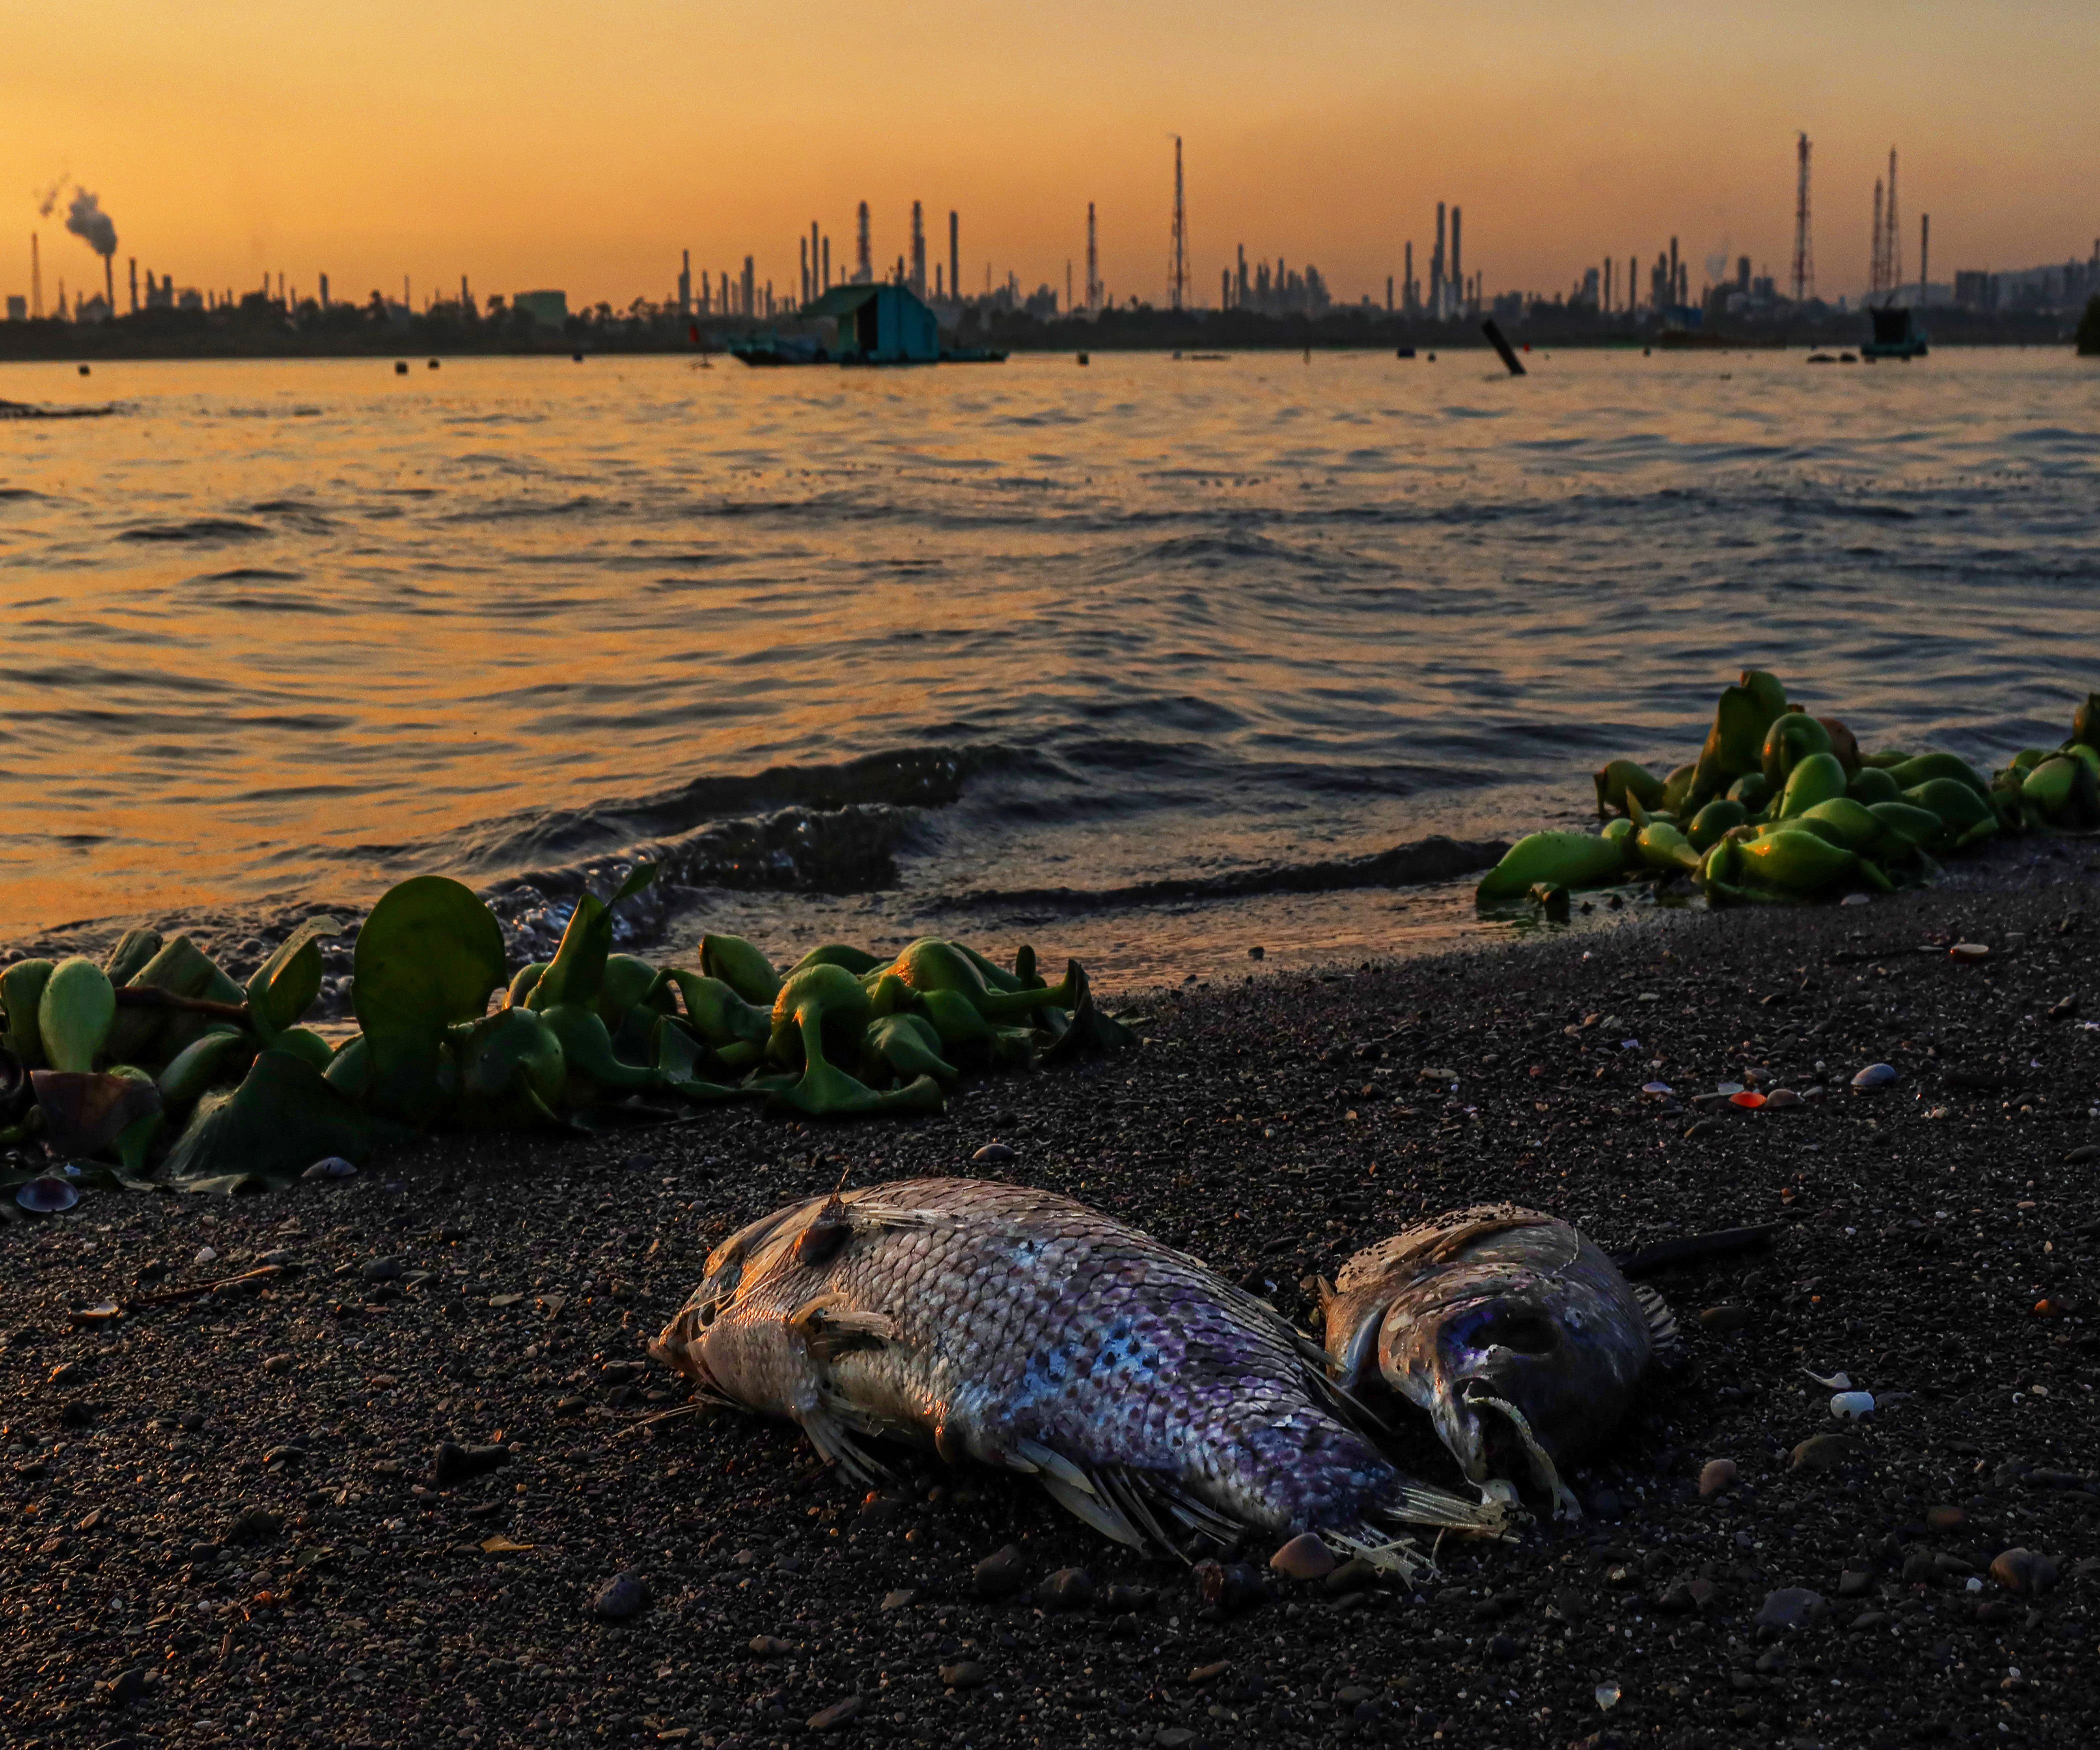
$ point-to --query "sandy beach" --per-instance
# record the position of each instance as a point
(386, 1493)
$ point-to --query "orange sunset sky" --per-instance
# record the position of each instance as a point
(526, 143)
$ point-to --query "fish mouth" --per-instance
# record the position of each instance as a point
(678, 1345)
(1503, 1441)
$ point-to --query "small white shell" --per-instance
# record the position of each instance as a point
(1849, 1406)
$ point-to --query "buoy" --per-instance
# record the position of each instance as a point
(576, 358)
(433, 364)
(1084, 359)
(83, 370)
(400, 366)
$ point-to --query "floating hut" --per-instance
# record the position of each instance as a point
(885, 324)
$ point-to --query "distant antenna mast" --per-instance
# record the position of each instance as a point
(1177, 267)
(1892, 252)
(1878, 269)
(36, 269)
(1804, 253)
(1093, 267)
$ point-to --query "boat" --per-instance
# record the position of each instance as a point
(871, 325)
(1896, 336)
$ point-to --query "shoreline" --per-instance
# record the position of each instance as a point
(1270, 1127)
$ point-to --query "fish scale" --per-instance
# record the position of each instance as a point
(1027, 1331)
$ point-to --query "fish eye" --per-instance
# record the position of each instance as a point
(1525, 1332)
(707, 1313)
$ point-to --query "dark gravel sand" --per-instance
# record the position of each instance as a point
(238, 1519)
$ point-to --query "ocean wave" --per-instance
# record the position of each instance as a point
(1435, 858)
(198, 529)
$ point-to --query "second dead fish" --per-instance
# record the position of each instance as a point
(1521, 1339)
(1017, 1328)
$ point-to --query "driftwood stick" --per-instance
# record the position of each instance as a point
(147, 997)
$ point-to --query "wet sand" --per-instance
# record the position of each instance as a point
(234, 1519)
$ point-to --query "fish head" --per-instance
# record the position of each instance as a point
(1521, 1379)
(707, 1341)
(681, 1345)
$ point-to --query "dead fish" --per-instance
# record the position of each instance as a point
(1523, 1340)
(1026, 1331)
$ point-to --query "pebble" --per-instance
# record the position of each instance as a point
(1780, 1098)
(903, 1598)
(1849, 1406)
(1825, 1452)
(1174, 1738)
(992, 1153)
(382, 1270)
(68, 1373)
(330, 1166)
(1945, 1519)
(1853, 1583)
(1968, 951)
(770, 1646)
(1305, 1556)
(452, 1463)
(1789, 1607)
(1230, 1587)
(1352, 1575)
(278, 1363)
(623, 1596)
(206, 1255)
(253, 1524)
(1001, 1574)
(1717, 1477)
(965, 1674)
(2083, 1156)
(1069, 1589)
(1873, 1076)
(2024, 1572)
(1727, 1317)
(839, 1714)
(1122, 1599)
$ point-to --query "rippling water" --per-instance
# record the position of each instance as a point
(874, 650)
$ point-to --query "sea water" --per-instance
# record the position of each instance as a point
(1138, 660)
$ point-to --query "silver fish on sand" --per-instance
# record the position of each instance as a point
(1521, 1339)
(1020, 1329)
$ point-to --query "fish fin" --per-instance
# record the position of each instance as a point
(1388, 1555)
(1412, 1503)
(1668, 1343)
(1323, 1295)
(1083, 1501)
(1436, 1242)
(1200, 1517)
(826, 1330)
(838, 1447)
(1050, 1464)
(1129, 1497)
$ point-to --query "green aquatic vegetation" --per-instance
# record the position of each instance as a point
(75, 1011)
(908, 1047)
(741, 965)
(22, 990)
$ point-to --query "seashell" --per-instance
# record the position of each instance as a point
(1659, 1089)
(48, 1196)
(1728, 1090)
(1849, 1406)
(1873, 1076)
(1782, 1096)
(1967, 952)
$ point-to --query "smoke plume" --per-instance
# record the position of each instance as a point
(49, 199)
(85, 220)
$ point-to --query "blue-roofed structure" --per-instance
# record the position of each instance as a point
(885, 324)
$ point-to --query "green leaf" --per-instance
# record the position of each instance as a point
(281, 1119)
(428, 956)
(577, 971)
(285, 985)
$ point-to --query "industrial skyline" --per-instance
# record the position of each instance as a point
(232, 138)
(1449, 291)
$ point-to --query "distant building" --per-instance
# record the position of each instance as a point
(879, 325)
(18, 309)
(548, 310)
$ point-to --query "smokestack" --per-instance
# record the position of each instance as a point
(863, 257)
(1458, 255)
(325, 291)
(133, 263)
(828, 264)
(1924, 254)
(1672, 271)
(954, 255)
(85, 220)
(36, 278)
(918, 250)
